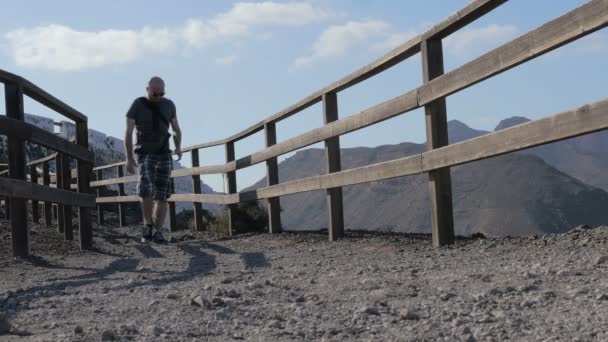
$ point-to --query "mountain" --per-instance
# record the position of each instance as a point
(514, 194)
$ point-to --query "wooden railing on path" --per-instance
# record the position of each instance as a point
(431, 95)
(14, 186)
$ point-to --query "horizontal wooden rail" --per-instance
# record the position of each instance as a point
(201, 198)
(204, 170)
(31, 191)
(41, 96)
(118, 199)
(583, 120)
(112, 181)
(103, 167)
(42, 160)
(32, 133)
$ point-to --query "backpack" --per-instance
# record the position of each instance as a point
(155, 109)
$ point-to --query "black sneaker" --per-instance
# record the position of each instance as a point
(146, 233)
(158, 237)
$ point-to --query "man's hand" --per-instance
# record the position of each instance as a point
(178, 152)
(131, 166)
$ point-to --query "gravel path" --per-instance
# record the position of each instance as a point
(367, 287)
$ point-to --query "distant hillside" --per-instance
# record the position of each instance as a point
(508, 195)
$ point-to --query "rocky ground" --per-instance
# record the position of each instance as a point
(298, 286)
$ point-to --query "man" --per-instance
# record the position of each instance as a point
(152, 116)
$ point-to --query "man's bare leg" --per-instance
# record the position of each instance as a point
(160, 210)
(147, 206)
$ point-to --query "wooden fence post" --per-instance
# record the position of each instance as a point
(122, 210)
(34, 179)
(272, 178)
(59, 184)
(332, 159)
(13, 94)
(48, 206)
(196, 189)
(66, 180)
(100, 220)
(231, 178)
(84, 187)
(440, 183)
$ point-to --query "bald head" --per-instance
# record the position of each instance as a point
(155, 80)
(156, 88)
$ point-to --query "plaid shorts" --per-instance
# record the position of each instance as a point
(154, 171)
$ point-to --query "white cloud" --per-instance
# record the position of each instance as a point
(226, 60)
(337, 40)
(393, 40)
(378, 36)
(61, 48)
(469, 41)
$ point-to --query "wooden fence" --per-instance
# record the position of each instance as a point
(431, 95)
(439, 157)
(14, 186)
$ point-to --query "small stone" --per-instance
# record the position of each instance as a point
(580, 228)
(368, 310)
(300, 299)
(156, 330)
(87, 300)
(232, 294)
(217, 301)
(446, 296)
(254, 285)
(493, 292)
(408, 315)
(456, 322)
(601, 260)
(486, 319)
(172, 296)
(5, 325)
(275, 324)
(78, 330)
(574, 293)
(227, 280)
(602, 296)
(198, 301)
(108, 335)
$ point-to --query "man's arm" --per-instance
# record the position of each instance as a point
(177, 137)
(129, 145)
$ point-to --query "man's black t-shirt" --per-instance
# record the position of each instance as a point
(152, 131)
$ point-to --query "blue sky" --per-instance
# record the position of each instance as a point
(229, 64)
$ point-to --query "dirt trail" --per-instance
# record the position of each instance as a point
(368, 287)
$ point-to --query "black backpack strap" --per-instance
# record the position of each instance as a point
(154, 108)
